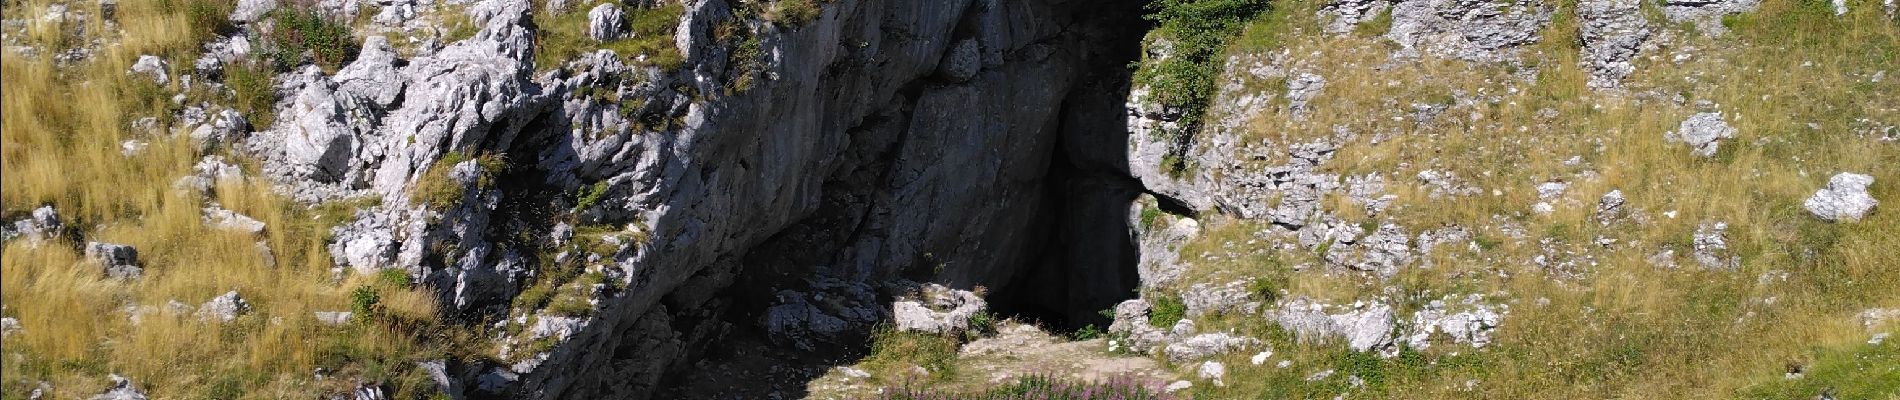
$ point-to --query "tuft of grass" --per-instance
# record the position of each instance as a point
(794, 12)
(252, 92)
(437, 189)
(1164, 311)
(894, 352)
(590, 196)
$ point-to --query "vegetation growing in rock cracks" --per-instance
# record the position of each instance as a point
(299, 31)
(649, 41)
(1191, 38)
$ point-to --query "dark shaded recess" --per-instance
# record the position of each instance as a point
(1084, 262)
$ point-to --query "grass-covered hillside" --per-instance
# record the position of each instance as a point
(1511, 159)
(71, 137)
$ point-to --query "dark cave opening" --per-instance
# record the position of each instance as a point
(1081, 253)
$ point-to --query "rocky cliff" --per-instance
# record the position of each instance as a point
(876, 143)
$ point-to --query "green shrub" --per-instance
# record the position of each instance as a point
(205, 17)
(1165, 311)
(1148, 217)
(365, 301)
(1198, 31)
(307, 30)
(983, 323)
(590, 196)
(1087, 332)
(894, 352)
(395, 278)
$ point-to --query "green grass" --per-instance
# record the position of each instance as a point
(252, 93)
(894, 353)
(1198, 32)
(438, 190)
(1164, 311)
(563, 36)
(307, 30)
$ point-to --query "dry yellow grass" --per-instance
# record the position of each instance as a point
(60, 139)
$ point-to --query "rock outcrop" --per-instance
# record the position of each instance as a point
(1845, 199)
(119, 261)
(1703, 132)
(1613, 32)
(869, 161)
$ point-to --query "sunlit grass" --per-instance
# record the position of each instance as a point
(61, 141)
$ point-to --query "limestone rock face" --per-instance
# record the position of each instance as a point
(1845, 199)
(1470, 30)
(1613, 32)
(1706, 14)
(860, 118)
(606, 22)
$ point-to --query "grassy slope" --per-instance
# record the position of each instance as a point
(75, 333)
(1614, 326)
(1621, 327)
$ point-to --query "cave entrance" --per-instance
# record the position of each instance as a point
(1088, 254)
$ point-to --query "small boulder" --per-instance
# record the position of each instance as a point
(252, 10)
(42, 224)
(1845, 199)
(334, 317)
(224, 308)
(1301, 90)
(606, 22)
(155, 68)
(1704, 133)
(1610, 207)
(9, 326)
(1207, 345)
(121, 389)
(224, 126)
(937, 309)
(1711, 247)
(1213, 371)
(221, 218)
(120, 261)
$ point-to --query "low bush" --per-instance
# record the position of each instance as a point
(306, 30)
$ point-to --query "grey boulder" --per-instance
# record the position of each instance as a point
(1703, 133)
(937, 309)
(606, 22)
(154, 68)
(120, 261)
(224, 308)
(1845, 199)
(121, 389)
